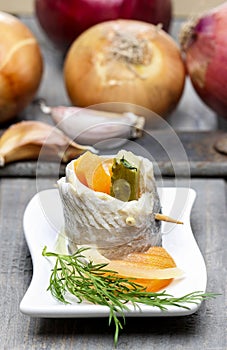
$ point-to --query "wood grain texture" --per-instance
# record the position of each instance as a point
(203, 158)
(206, 329)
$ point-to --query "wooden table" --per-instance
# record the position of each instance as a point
(206, 329)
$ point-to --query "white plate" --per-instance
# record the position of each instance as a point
(43, 219)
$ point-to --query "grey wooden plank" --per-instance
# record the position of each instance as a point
(204, 160)
(206, 329)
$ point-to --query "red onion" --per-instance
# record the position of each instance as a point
(64, 20)
(205, 45)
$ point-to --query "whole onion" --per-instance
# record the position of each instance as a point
(64, 20)
(204, 42)
(20, 66)
(125, 61)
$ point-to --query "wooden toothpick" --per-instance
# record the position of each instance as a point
(162, 217)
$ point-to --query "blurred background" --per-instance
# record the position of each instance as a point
(182, 8)
(199, 127)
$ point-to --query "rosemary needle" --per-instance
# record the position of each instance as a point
(98, 285)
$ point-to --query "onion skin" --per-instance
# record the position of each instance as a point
(204, 43)
(153, 12)
(91, 77)
(63, 21)
(21, 66)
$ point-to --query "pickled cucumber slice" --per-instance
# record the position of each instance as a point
(125, 177)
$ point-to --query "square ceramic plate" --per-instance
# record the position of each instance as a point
(43, 220)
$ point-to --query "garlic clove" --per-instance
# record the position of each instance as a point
(28, 140)
(90, 126)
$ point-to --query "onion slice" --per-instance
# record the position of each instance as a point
(129, 269)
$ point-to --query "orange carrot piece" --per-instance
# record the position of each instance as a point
(101, 180)
(156, 257)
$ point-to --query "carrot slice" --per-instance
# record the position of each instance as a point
(101, 180)
(154, 285)
(156, 257)
(156, 262)
(155, 269)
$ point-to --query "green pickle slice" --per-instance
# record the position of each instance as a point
(125, 177)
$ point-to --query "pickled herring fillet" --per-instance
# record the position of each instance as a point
(115, 227)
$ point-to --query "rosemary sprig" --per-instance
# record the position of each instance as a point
(98, 285)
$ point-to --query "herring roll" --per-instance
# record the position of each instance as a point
(120, 220)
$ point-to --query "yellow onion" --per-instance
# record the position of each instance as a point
(204, 42)
(20, 66)
(125, 61)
